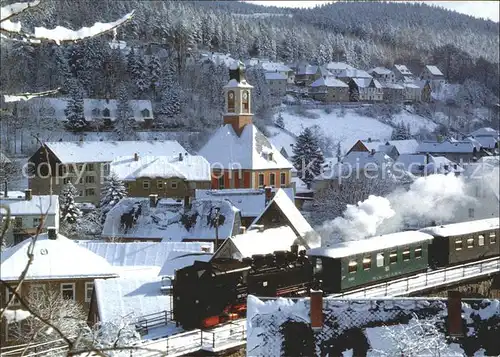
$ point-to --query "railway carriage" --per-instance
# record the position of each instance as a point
(355, 264)
(463, 242)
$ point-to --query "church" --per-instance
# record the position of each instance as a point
(241, 156)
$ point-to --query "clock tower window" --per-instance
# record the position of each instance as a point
(245, 102)
(230, 101)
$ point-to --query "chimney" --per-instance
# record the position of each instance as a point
(27, 195)
(136, 157)
(316, 310)
(455, 326)
(52, 233)
(369, 140)
(180, 156)
(372, 152)
(243, 230)
(269, 194)
(153, 200)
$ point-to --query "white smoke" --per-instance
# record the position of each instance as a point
(434, 198)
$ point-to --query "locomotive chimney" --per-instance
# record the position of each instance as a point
(455, 327)
(295, 249)
(316, 310)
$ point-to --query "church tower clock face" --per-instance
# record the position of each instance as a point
(231, 95)
(245, 95)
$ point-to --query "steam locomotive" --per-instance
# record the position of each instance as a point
(209, 293)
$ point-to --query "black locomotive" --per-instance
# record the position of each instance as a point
(209, 293)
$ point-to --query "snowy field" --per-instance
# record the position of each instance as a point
(347, 128)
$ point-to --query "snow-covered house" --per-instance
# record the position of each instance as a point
(278, 67)
(426, 90)
(336, 68)
(85, 164)
(28, 213)
(488, 138)
(218, 58)
(372, 327)
(412, 92)
(143, 219)
(433, 74)
(408, 146)
(346, 75)
(175, 176)
(368, 89)
(382, 74)
(329, 89)
(393, 92)
(305, 74)
(239, 154)
(457, 151)
(402, 74)
(59, 265)
(277, 83)
(426, 164)
(368, 145)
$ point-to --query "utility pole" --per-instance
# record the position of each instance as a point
(217, 214)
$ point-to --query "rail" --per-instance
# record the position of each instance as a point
(146, 322)
(34, 349)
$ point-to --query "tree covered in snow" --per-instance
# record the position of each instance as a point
(401, 132)
(89, 226)
(261, 92)
(307, 156)
(280, 123)
(170, 102)
(154, 69)
(112, 192)
(74, 112)
(124, 125)
(69, 212)
(111, 334)
(353, 92)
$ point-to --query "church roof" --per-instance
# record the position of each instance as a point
(251, 150)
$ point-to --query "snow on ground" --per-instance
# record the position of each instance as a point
(350, 127)
(281, 139)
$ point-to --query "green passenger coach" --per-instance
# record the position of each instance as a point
(355, 264)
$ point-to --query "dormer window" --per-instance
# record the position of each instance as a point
(230, 101)
(96, 112)
(106, 113)
(245, 102)
(145, 113)
(270, 156)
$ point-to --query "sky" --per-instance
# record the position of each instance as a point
(481, 9)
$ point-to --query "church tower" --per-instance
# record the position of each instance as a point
(238, 99)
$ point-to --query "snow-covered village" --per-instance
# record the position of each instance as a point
(249, 178)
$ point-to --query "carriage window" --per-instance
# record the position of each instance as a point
(380, 260)
(353, 266)
(393, 258)
(480, 240)
(418, 252)
(458, 244)
(493, 238)
(367, 262)
(406, 255)
(470, 243)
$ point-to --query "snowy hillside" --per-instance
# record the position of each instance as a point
(346, 128)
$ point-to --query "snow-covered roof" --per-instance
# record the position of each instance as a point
(129, 297)
(143, 253)
(380, 71)
(362, 159)
(434, 70)
(251, 202)
(411, 85)
(190, 168)
(55, 259)
(12, 194)
(392, 86)
(372, 144)
(408, 146)
(354, 73)
(176, 260)
(92, 108)
(275, 66)
(403, 70)
(296, 220)
(256, 242)
(366, 82)
(250, 150)
(275, 76)
(485, 132)
(307, 70)
(218, 58)
(233, 83)
(373, 244)
(300, 186)
(446, 147)
(328, 82)
(282, 140)
(38, 205)
(412, 162)
(107, 151)
(463, 227)
(338, 66)
(171, 222)
(4, 159)
(442, 165)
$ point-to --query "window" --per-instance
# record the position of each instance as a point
(480, 240)
(283, 179)
(90, 167)
(393, 257)
(367, 262)
(146, 184)
(89, 287)
(89, 179)
(89, 192)
(18, 222)
(36, 222)
(80, 167)
(471, 212)
(470, 243)
(174, 185)
(380, 260)
(66, 180)
(353, 266)
(68, 291)
(270, 156)
(96, 112)
(493, 238)
(80, 180)
(230, 101)
(105, 113)
(458, 244)
(418, 252)
(105, 169)
(272, 179)
(8, 295)
(159, 185)
(261, 180)
(145, 113)
(221, 182)
(406, 255)
(245, 102)
(37, 291)
(80, 193)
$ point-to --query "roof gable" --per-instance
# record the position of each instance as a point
(408, 146)
(434, 70)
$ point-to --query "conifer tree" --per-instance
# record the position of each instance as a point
(74, 111)
(280, 123)
(69, 212)
(307, 156)
(112, 192)
(154, 69)
(123, 126)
